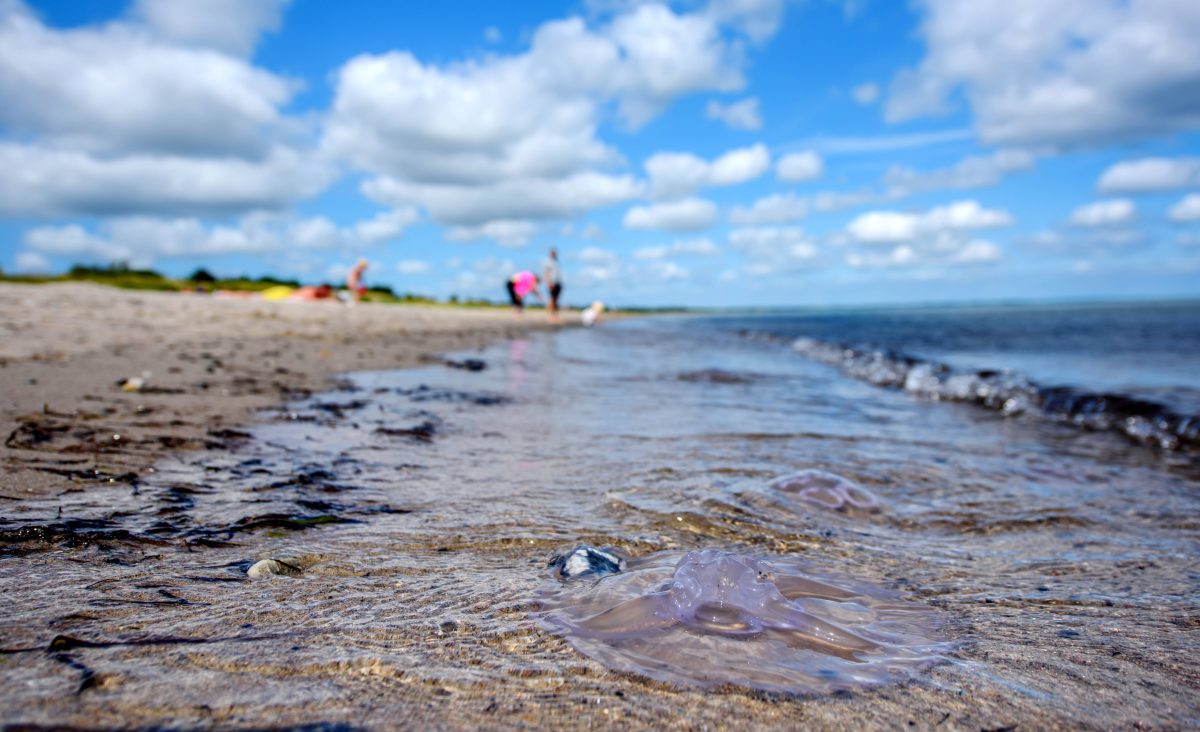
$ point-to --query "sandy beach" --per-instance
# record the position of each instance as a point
(420, 524)
(207, 363)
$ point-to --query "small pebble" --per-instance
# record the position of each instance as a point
(266, 567)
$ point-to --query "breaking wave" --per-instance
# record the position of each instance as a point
(1011, 393)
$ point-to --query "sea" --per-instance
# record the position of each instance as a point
(1037, 469)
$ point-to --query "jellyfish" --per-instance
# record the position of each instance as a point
(824, 490)
(711, 617)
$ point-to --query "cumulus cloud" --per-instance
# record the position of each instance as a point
(143, 239)
(743, 115)
(123, 118)
(888, 227)
(43, 182)
(114, 89)
(230, 25)
(1112, 212)
(798, 167)
(689, 214)
(1188, 209)
(941, 235)
(674, 174)
(686, 247)
(774, 249)
(31, 263)
(1066, 73)
(1073, 241)
(524, 125)
(973, 171)
(506, 199)
(505, 232)
(1148, 175)
(903, 255)
(412, 266)
(778, 208)
(977, 251)
(758, 19)
(782, 208)
(866, 93)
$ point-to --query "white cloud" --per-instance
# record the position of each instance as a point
(386, 225)
(978, 251)
(1188, 209)
(782, 208)
(866, 93)
(121, 119)
(689, 247)
(1090, 240)
(31, 263)
(758, 19)
(901, 256)
(689, 214)
(855, 145)
(941, 235)
(742, 115)
(515, 136)
(507, 199)
(114, 89)
(412, 266)
(143, 239)
(492, 34)
(667, 271)
(800, 166)
(230, 25)
(973, 171)
(774, 250)
(505, 232)
(674, 174)
(598, 255)
(1112, 212)
(1065, 73)
(778, 208)
(1148, 175)
(889, 227)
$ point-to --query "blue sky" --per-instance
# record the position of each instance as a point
(708, 153)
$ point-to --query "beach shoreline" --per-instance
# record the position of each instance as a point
(422, 552)
(207, 365)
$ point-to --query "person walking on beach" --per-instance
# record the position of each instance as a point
(552, 276)
(520, 286)
(354, 281)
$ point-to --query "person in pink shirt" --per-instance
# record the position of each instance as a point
(521, 285)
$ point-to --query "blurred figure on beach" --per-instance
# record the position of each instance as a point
(355, 282)
(520, 286)
(552, 276)
(591, 314)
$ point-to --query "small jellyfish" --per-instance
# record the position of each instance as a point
(585, 561)
(711, 617)
(825, 490)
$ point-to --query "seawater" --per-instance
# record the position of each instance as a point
(424, 504)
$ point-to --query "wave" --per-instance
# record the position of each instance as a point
(1011, 393)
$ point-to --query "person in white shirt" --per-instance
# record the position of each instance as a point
(552, 276)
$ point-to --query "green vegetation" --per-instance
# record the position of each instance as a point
(122, 275)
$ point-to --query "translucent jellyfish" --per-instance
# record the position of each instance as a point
(712, 617)
(824, 490)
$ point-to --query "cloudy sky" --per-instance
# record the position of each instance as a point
(708, 152)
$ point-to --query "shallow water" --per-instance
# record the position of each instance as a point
(423, 505)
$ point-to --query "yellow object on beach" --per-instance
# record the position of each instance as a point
(278, 292)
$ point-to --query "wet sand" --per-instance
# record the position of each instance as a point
(420, 616)
(208, 364)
